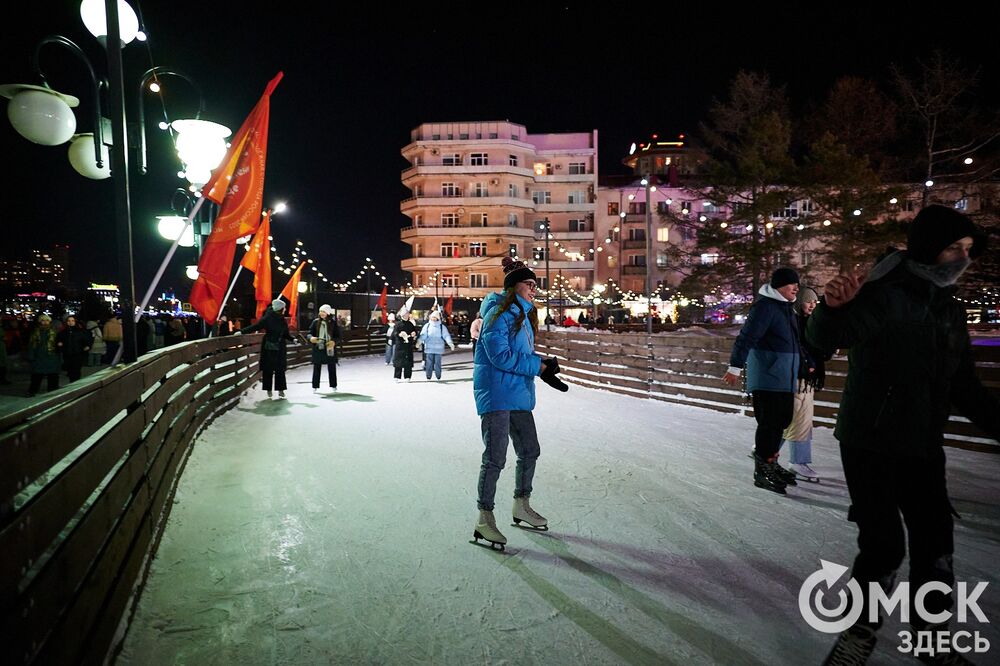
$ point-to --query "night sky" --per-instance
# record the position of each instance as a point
(357, 81)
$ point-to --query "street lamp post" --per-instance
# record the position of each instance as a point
(543, 226)
(648, 182)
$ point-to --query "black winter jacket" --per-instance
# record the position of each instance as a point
(910, 360)
(275, 334)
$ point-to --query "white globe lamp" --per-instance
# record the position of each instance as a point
(81, 156)
(40, 115)
(172, 226)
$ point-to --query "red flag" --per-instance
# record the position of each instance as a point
(291, 294)
(258, 261)
(238, 185)
(448, 304)
(383, 303)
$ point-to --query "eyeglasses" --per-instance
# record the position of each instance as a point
(531, 284)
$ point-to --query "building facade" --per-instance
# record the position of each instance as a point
(485, 190)
(45, 269)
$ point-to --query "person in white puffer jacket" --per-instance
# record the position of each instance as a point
(434, 336)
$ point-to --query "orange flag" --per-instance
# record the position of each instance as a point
(448, 305)
(258, 261)
(291, 294)
(238, 186)
(383, 303)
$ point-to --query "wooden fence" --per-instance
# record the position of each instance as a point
(86, 482)
(687, 368)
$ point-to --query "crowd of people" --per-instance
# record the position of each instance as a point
(48, 345)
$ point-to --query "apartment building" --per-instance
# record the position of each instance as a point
(485, 190)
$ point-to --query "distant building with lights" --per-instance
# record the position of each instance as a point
(44, 269)
(481, 190)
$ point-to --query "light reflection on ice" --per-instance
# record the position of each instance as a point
(288, 538)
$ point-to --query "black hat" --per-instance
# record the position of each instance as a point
(935, 228)
(784, 276)
(515, 271)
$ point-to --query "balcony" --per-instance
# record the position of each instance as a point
(414, 203)
(563, 265)
(464, 169)
(633, 270)
(498, 231)
(573, 235)
(566, 178)
(451, 263)
(635, 218)
(565, 208)
(634, 244)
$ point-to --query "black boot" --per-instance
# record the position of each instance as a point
(766, 477)
(786, 475)
(853, 647)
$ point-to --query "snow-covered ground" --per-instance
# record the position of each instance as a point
(335, 529)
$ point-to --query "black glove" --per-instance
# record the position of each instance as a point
(550, 368)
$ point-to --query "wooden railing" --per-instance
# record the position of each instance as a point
(86, 482)
(687, 368)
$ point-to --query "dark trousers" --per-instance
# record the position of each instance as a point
(275, 377)
(773, 411)
(36, 382)
(331, 371)
(112, 349)
(73, 367)
(474, 341)
(403, 372)
(888, 490)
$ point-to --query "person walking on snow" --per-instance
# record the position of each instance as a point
(324, 335)
(433, 337)
(910, 360)
(404, 337)
(503, 380)
(812, 373)
(768, 345)
(273, 350)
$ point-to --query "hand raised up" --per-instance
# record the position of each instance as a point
(842, 289)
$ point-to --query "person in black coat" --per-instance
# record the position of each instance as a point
(910, 361)
(74, 343)
(324, 334)
(404, 336)
(273, 349)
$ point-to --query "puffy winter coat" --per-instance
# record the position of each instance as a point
(910, 359)
(319, 354)
(402, 350)
(768, 344)
(434, 336)
(505, 364)
(43, 353)
(98, 346)
(275, 335)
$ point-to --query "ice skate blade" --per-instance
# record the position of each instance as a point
(492, 545)
(808, 479)
(774, 489)
(528, 526)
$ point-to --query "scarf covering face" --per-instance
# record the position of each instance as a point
(941, 275)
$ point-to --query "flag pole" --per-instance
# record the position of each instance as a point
(228, 293)
(166, 260)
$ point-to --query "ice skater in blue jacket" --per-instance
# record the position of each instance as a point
(434, 336)
(504, 385)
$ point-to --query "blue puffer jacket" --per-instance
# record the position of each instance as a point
(505, 362)
(434, 336)
(768, 344)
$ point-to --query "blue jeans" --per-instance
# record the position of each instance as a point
(497, 427)
(432, 363)
(388, 354)
(801, 452)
